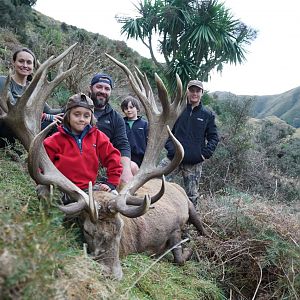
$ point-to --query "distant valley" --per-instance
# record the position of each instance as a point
(285, 106)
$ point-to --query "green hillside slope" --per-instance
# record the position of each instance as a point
(285, 106)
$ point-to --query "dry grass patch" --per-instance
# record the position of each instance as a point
(254, 247)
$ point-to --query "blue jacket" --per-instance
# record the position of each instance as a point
(112, 124)
(137, 137)
(196, 130)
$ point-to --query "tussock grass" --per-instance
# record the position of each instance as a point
(254, 248)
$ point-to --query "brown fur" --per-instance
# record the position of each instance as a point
(153, 233)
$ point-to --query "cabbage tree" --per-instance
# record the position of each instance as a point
(195, 37)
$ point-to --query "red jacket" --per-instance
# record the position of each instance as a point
(82, 165)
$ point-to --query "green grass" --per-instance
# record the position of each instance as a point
(163, 280)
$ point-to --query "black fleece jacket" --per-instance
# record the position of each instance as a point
(112, 124)
(196, 130)
(137, 137)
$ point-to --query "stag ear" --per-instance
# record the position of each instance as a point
(43, 191)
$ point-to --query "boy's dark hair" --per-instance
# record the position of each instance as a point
(134, 102)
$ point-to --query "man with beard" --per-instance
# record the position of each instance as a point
(110, 121)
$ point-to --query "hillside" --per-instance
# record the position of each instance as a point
(46, 36)
(250, 241)
(285, 106)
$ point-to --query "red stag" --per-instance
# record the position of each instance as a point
(115, 226)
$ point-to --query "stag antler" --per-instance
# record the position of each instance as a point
(159, 123)
(158, 133)
(24, 118)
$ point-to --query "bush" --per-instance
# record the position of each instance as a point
(247, 157)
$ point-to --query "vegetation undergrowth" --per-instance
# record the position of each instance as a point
(253, 250)
(254, 247)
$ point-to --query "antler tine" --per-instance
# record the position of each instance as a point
(43, 69)
(140, 83)
(92, 204)
(148, 168)
(178, 98)
(151, 109)
(162, 95)
(137, 84)
(178, 157)
(60, 67)
(135, 200)
(135, 81)
(43, 171)
(62, 55)
(4, 100)
(123, 67)
(119, 205)
(148, 89)
(42, 74)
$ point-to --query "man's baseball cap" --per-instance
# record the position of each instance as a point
(81, 100)
(101, 77)
(197, 83)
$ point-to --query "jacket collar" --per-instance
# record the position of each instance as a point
(198, 107)
(88, 128)
(104, 111)
(138, 118)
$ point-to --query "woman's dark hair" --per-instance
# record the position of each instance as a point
(25, 50)
(134, 102)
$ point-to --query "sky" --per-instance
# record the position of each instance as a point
(273, 59)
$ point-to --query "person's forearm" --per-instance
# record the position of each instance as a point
(126, 173)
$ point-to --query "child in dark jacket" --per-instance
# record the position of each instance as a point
(78, 149)
(137, 131)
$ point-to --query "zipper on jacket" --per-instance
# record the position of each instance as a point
(191, 112)
(80, 145)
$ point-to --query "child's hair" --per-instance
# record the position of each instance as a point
(78, 100)
(134, 102)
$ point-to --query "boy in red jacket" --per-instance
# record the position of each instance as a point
(78, 149)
